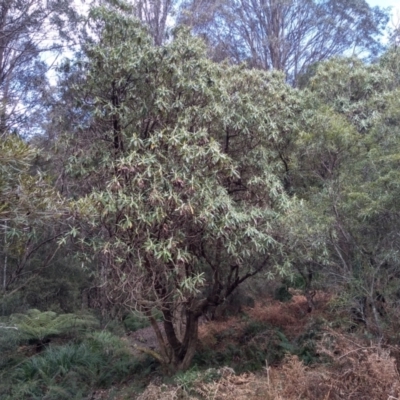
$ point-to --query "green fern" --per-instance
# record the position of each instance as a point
(39, 326)
(73, 370)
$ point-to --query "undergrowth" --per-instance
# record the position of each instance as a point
(274, 352)
(314, 362)
(248, 345)
(73, 370)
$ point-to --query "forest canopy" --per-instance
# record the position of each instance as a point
(167, 168)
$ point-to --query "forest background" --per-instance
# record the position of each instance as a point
(187, 160)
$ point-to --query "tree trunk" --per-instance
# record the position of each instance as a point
(190, 341)
(174, 343)
(310, 300)
(180, 321)
(181, 352)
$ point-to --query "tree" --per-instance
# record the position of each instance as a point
(30, 209)
(29, 30)
(156, 15)
(346, 172)
(39, 327)
(288, 35)
(182, 198)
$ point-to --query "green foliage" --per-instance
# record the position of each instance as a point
(25, 196)
(16, 157)
(304, 346)
(235, 304)
(295, 281)
(282, 293)
(9, 340)
(30, 211)
(135, 321)
(38, 326)
(73, 370)
(188, 380)
(185, 180)
(244, 350)
(345, 170)
(248, 349)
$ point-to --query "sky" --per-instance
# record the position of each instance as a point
(395, 4)
(395, 18)
(384, 3)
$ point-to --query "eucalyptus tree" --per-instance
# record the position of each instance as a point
(30, 32)
(288, 35)
(158, 16)
(180, 196)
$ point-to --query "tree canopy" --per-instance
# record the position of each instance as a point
(287, 35)
(176, 216)
(174, 168)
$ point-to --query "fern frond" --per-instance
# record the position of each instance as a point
(37, 325)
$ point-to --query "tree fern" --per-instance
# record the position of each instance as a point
(39, 326)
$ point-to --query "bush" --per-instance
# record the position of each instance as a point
(282, 294)
(234, 304)
(135, 321)
(244, 349)
(38, 327)
(193, 381)
(9, 339)
(9, 357)
(248, 347)
(73, 370)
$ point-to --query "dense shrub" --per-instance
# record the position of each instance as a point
(135, 321)
(71, 371)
